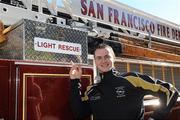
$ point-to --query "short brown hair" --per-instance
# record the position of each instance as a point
(104, 46)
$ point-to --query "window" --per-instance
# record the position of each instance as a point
(147, 69)
(177, 77)
(158, 72)
(121, 67)
(134, 67)
(168, 74)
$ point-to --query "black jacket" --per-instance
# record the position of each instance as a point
(120, 97)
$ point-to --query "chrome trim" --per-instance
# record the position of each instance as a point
(157, 63)
(16, 94)
(49, 64)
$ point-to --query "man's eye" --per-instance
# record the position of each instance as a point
(98, 58)
(107, 57)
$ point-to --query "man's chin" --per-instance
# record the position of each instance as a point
(104, 70)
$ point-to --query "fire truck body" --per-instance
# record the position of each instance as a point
(42, 39)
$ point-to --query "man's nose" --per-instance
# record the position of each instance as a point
(105, 58)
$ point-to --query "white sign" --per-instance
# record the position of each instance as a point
(118, 15)
(48, 45)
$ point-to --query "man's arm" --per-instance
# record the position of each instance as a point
(167, 101)
(80, 107)
(167, 93)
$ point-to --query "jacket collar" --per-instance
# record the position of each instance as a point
(107, 77)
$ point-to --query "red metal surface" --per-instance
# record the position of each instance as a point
(4, 85)
(7, 90)
(44, 92)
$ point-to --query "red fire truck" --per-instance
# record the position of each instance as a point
(39, 40)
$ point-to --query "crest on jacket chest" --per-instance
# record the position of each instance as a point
(120, 91)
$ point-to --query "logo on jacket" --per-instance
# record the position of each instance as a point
(97, 96)
(120, 92)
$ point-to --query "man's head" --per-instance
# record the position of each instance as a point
(104, 58)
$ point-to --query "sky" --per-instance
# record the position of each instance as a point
(166, 9)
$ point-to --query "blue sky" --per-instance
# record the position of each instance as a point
(166, 9)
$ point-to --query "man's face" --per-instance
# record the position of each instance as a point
(104, 60)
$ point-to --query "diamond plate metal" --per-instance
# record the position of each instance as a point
(20, 43)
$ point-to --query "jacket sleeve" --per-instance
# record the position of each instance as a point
(79, 104)
(166, 92)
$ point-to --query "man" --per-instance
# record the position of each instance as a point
(118, 96)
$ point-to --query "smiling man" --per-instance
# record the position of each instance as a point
(104, 58)
(118, 96)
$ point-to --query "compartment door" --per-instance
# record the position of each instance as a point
(45, 92)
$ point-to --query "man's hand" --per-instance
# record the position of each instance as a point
(75, 72)
(151, 118)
